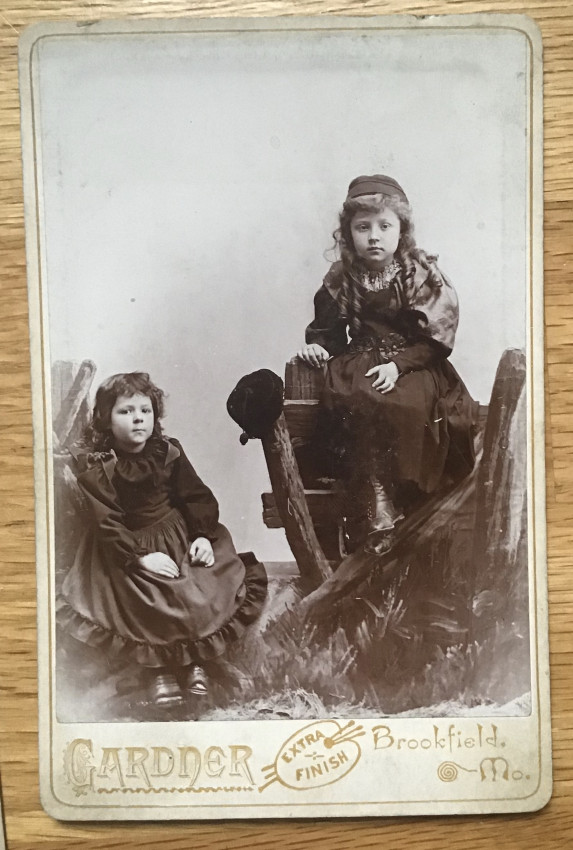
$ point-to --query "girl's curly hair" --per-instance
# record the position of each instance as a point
(98, 432)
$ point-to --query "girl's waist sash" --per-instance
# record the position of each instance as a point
(160, 516)
(389, 345)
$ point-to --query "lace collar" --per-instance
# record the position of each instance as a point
(376, 281)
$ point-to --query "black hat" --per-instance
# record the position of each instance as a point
(375, 184)
(256, 403)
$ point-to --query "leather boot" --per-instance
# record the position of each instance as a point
(382, 518)
(196, 680)
(165, 690)
(382, 513)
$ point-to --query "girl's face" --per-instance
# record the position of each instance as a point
(132, 422)
(376, 236)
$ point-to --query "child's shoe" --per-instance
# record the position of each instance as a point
(196, 680)
(380, 542)
(382, 519)
(165, 690)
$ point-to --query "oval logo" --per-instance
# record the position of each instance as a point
(318, 754)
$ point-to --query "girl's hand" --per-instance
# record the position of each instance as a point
(313, 354)
(159, 564)
(386, 376)
(201, 552)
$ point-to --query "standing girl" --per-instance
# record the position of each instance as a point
(156, 578)
(399, 417)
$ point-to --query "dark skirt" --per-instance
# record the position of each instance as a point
(155, 620)
(424, 426)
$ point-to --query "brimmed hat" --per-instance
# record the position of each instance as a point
(375, 184)
(256, 403)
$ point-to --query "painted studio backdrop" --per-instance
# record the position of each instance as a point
(191, 187)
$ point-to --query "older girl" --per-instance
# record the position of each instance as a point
(400, 418)
(156, 578)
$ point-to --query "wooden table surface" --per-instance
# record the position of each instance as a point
(27, 826)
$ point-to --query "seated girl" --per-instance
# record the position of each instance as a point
(400, 420)
(156, 578)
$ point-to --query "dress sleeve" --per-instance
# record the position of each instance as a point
(118, 545)
(419, 355)
(193, 498)
(328, 328)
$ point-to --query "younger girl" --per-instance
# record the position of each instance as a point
(156, 578)
(385, 320)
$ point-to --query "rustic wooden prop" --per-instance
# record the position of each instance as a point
(500, 538)
(302, 382)
(497, 482)
(316, 505)
(322, 506)
(69, 397)
(291, 504)
(418, 528)
(70, 388)
(499, 478)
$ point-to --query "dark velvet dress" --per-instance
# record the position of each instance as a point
(154, 501)
(421, 429)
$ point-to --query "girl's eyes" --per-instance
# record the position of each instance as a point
(383, 226)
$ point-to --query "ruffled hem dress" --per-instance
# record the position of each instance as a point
(423, 428)
(154, 501)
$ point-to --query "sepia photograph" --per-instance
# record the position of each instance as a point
(286, 382)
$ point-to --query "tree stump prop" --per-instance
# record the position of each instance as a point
(500, 541)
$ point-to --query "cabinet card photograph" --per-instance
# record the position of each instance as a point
(286, 306)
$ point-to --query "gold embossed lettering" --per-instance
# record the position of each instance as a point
(110, 764)
(162, 754)
(239, 757)
(494, 772)
(213, 766)
(135, 763)
(382, 737)
(78, 763)
(186, 755)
